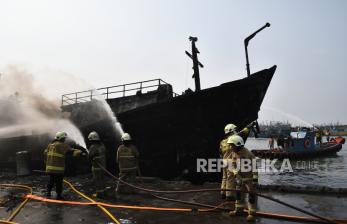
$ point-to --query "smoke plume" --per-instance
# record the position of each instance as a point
(25, 109)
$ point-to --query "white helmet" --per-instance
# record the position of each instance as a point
(236, 140)
(93, 136)
(126, 137)
(230, 128)
(60, 135)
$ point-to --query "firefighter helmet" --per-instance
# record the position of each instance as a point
(230, 128)
(236, 140)
(93, 136)
(60, 135)
(126, 137)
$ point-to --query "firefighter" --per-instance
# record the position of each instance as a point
(97, 156)
(128, 162)
(225, 153)
(55, 162)
(245, 177)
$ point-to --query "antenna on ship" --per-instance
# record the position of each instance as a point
(246, 41)
(196, 63)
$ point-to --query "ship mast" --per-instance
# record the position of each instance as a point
(196, 63)
(246, 41)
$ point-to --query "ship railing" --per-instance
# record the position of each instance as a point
(112, 92)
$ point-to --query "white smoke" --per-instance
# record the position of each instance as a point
(116, 125)
(25, 109)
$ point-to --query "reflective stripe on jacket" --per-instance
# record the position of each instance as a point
(127, 158)
(55, 157)
(238, 157)
(97, 153)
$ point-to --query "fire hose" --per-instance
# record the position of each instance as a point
(150, 208)
(114, 219)
(18, 209)
(6, 222)
(211, 208)
(166, 209)
(324, 219)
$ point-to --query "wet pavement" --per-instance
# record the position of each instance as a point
(43, 212)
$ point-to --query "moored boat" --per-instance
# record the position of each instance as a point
(302, 145)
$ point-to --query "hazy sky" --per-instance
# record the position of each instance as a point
(109, 42)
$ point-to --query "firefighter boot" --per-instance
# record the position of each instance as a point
(251, 213)
(250, 218)
(238, 209)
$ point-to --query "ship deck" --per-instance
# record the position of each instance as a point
(42, 212)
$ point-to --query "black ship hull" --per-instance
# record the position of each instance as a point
(172, 134)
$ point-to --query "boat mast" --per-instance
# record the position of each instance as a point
(196, 63)
(246, 41)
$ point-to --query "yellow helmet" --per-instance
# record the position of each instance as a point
(230, 128)
(93, 136)
(236, 140)
(126, 137)
(60, 135)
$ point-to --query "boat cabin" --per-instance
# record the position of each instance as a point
(301, 141)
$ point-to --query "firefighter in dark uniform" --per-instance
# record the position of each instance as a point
(97, 156)
(128, 162)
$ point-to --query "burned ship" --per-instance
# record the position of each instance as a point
(170, 130)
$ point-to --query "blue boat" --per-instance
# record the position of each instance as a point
(301, 144)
